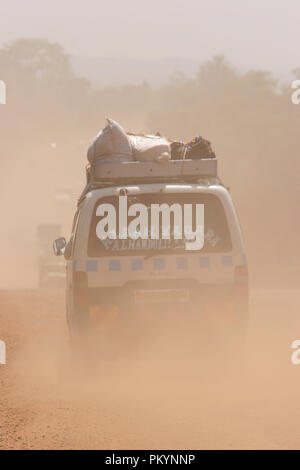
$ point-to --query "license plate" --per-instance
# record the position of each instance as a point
(161, 296)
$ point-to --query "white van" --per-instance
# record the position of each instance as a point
(119, 281)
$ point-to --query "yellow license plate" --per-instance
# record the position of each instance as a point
(161, 296)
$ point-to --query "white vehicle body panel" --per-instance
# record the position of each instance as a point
(117, 270)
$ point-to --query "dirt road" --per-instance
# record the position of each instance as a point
(149, 403)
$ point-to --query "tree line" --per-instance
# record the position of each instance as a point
(248, 117)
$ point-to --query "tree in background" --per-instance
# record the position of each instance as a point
(43, 90)
(249, 118)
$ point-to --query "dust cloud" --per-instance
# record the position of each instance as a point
(172, 393)
(178, 395)
(51, 116)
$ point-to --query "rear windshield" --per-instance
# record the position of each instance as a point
(216, 232)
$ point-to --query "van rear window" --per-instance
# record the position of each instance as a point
(216, 231)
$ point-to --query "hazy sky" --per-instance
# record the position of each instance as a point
(251, 33)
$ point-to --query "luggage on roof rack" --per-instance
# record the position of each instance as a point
(110, 144)
(116, 158)
(149, 147)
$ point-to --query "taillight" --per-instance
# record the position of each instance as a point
(80, 288)
(241, 273)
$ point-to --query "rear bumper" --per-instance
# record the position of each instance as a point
(110, 306)
(126, 296)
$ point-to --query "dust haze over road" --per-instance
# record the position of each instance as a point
(186, 399)
(150, 403)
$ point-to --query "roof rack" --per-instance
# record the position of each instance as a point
(108, 174)
(171, 169)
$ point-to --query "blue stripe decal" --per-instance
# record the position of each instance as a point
(204, 261)
(181, 263)
(91, 265)
(159, 263)
(227, 260)
(244, 258)
(137, 265)
(114, 265)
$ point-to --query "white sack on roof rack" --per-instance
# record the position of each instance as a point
(149, 147)
(111, 144)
